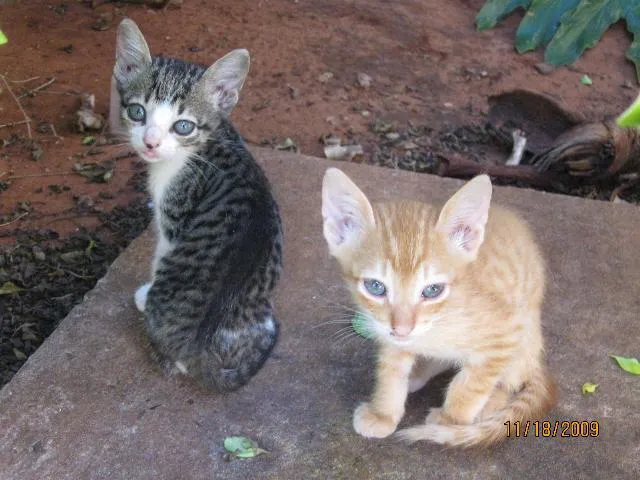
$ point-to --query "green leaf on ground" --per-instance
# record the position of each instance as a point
(565, 27)
(581, 29)
(628, 364)
(586, 80)
(541, 22)
(495, 10)
(589, 387)
(88, 140)
(8, 288)
(91, 246)
(631, 116)
(3, 38)
(242, 447)
(361, 326)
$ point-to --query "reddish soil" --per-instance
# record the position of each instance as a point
(427, 62)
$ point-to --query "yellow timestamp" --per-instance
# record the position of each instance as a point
(553, 428)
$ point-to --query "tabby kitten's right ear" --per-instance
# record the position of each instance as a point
(132, 51)
(464, 217)
(346, 212)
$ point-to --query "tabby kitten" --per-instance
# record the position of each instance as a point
(461, 287)
(207, 308)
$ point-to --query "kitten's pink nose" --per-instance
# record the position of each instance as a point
(402, 331)
(403, 321)
(152, 138)
(151, 144)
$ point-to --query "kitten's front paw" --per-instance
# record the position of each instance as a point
(140, 296)
(371, 424)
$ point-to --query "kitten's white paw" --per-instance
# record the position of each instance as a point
(140, 296)
(371, 424)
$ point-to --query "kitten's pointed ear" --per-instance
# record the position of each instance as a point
(132, 51)
(223, 80)
(464, 217)
(346, 212)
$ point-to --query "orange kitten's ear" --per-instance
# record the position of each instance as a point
(464, 217)
(346, 212)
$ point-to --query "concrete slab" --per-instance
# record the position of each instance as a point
(90, 404)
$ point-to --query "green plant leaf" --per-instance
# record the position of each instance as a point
(8, 288)
(586, 80)
(242, 447)
(632, 17)
(589, 387)
(566, 27)
(361, 326)
(495, 10)
(3, 38)
(628, 364)
(541, 22)
(631, 116)
(581, 29)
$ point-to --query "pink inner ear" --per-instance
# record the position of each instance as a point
(463, 236)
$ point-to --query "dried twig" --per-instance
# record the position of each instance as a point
(13, 124)
(24, 114)
(25, 81)
(37, 89)
(55, 134)
(18, 217)
(36, 175)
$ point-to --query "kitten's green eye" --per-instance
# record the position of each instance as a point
(136, 112)
(375, 287)
(183, 127)
(433, 291)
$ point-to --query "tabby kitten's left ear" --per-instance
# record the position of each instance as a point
(223, 80)
(464, 217)
(346, 212)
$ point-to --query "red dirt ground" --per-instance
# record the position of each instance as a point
(427, 62)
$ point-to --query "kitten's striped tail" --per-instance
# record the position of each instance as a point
(530, 404)
(234, 357)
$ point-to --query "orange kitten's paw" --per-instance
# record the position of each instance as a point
(441, 416)
(371, 424)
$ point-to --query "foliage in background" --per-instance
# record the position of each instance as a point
(565, 27)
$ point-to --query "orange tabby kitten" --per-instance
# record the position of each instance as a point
(461, 286)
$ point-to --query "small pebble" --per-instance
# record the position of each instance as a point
(544, 68)
(364, 80)
(38, 254)
(325, 77)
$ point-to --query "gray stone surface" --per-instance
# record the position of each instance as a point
(89, 404)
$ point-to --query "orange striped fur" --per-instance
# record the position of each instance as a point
(485, 322)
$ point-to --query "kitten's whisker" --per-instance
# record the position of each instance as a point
(332, 322)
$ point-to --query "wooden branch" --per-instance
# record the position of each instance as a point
(454, 165)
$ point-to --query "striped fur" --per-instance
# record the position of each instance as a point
(208, 310)
(485, 322)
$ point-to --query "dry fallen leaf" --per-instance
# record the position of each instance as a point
(8, 288)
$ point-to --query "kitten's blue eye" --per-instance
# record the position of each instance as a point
(183, 127)
(375, 287)
(136, 112)
(433, 291)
